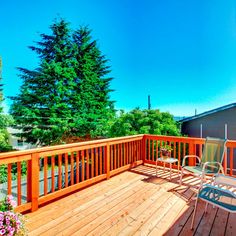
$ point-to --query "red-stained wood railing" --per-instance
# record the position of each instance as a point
(56, 171)
(182, 146)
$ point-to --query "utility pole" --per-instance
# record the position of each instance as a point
(149, 102)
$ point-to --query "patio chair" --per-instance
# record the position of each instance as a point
(211, 161)
(218, 196)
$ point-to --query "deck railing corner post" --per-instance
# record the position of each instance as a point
(144, 148)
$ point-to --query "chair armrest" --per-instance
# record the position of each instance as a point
(213, 162)
(191, 156)
(225, 180)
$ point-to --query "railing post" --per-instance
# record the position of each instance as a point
(192, 151)
(144, 149)
(34, 195)
(108, 160)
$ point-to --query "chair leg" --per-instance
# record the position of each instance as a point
(194, 213)
(181, 176)
(202, 180)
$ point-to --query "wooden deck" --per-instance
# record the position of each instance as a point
(135, 202)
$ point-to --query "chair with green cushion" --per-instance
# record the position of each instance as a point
(218, 196)
(211, 161)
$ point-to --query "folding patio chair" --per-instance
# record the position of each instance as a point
(218, 196)
(211, 161)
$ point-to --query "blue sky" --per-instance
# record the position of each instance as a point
(182, 53)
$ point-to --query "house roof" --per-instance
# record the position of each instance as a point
(206, 113)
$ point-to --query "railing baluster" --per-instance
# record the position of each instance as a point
(100, 160)
(66, 169)
(108, 160)
(77, 166)
(19, 183)
(125, 155)
(153, 150)
(179, 151)
(92, 162)
(87, 164)
(72, 168)
(59, 171)
(118, 155)
(28, 185)
(53, 172)
(115, 156)
(148, 141)
(9, 179)
(45, 169)
(83, 167)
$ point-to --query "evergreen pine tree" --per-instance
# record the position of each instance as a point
(93, 106)
(68, 94)
(41, 108)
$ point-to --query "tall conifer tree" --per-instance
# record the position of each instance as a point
(93, 105)
(55, 100)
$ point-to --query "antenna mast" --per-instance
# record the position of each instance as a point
(149, 102)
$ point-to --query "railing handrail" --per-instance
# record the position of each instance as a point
(66, 146)
(230, 143)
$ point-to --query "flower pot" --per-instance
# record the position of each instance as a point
(165, 154)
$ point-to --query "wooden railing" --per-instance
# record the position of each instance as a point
(182, 146)
(56, 171)
(53, 172)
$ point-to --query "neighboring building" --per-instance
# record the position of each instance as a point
(219, 122)
(16, 142)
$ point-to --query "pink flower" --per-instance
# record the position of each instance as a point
(9, 197)
(13, 203)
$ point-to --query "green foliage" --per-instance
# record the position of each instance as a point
(144, 122)
(3, 171)
(4, 141)
(68, 94)
(5, 120)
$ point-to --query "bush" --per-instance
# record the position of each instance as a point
(3, 171)
(11, 223)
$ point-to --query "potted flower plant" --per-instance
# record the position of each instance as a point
(11, 223)
(166, 151)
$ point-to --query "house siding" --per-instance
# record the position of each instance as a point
(213, 125)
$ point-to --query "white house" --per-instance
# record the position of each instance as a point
(17, 142)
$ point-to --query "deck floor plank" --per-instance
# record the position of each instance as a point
(69, 214)
(134, 202)
(172, 215)
(205, 226)
(220, 222)
(105, 212)
(231, 225)
(40, 217)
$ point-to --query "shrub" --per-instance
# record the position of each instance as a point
(11, 223)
